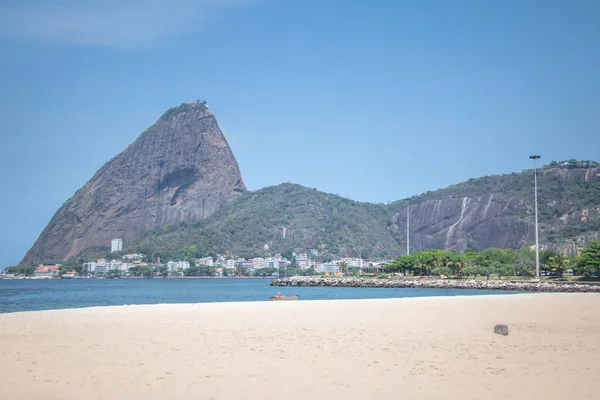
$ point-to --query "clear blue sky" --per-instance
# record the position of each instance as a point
(375, 101)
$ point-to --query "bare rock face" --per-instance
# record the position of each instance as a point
(449, 223)
(501, 218)
(181, 169)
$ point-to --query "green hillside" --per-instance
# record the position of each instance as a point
(282, 218)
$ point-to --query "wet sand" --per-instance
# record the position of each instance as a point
(413, 348)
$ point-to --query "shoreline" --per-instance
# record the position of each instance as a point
(420, 347)
(522, 286)
(180, 306)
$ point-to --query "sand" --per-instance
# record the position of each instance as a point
(419, 348)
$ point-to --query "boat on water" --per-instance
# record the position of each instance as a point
(281, 297)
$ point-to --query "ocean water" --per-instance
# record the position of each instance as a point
(32, 295)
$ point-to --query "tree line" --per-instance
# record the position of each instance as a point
(497, 262)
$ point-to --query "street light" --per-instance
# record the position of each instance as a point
(537, 243)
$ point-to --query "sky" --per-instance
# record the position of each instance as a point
(375, 101)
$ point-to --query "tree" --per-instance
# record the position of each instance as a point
(474, 270)
(441, 271)
(401, 264)
(545, 260)
(453, 261)
(20, 270)
(590, 256)
(344, 267)
(558, 264)
(525, 262)
(505, 270)
(114, 273)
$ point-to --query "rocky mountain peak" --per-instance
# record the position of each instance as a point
(181, 169)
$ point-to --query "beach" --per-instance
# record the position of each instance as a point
(407, 348)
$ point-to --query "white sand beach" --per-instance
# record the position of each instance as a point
(414, 348)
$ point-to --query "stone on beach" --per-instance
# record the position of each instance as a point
(501, 329)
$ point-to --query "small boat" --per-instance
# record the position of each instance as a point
(281, 297)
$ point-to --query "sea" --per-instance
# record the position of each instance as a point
(50, 294)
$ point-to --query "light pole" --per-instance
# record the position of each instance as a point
(537, 242)
(408, 230)
(360, 261)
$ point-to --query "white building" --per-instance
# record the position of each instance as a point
(328, 267)
(89, 267)
(116, 245)
(177, 265)
(271, 262)
(132, 256)
(230, 264)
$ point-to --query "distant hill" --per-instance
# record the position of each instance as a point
(493, 211)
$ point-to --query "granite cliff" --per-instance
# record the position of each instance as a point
(181, 169)
(498, 211)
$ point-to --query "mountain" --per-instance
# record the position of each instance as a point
(181, 169)
(493, 211)
(498, 211)
(177, 192)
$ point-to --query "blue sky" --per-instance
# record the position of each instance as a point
(375, 101)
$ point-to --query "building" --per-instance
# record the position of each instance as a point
(132, 256)
(258, 263)
(116, 245)
(177, 265)
(328, 267)
(272, 262)
(47, 270)
(244, 267)
(89, 267)
(302, 260)
(207, 261)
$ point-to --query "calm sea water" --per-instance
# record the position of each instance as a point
(30, 295)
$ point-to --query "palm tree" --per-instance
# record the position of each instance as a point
(558, 264)
(344, 267)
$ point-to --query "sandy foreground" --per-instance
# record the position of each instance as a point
(418, 348)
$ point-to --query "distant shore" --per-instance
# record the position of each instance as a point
(137, 277)
(410, 348)
(524, 286)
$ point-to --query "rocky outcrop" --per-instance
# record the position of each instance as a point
(181, 169)
(451, 222)
(498, 212)
(523, 286)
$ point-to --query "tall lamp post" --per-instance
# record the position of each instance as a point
(537, 242)
(408, 230)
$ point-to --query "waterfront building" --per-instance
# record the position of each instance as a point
(328, 267)
(258, 262)
(47, 270)
(177, 265)
(272, 262)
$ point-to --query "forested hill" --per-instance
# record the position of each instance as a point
(493, 211)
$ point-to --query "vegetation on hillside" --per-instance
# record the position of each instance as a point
(256, 222)
(279, 219)
(288, 217)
